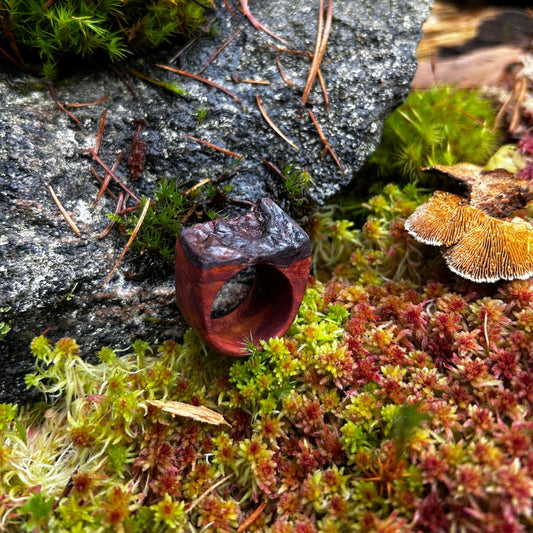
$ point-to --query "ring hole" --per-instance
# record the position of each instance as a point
(233, 292)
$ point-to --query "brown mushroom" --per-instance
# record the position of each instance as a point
(443, 219)
(497, 193)
(493, 250)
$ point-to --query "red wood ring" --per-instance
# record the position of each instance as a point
(209, 254)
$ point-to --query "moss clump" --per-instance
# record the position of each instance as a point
(439, 126)
(40, 35)
(393, 406)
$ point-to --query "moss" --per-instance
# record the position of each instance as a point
(442, 125)
(41, 36)
(397, 405)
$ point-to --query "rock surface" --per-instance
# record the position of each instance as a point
(49, 277)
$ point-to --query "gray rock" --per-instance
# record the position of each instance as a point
(50, 278)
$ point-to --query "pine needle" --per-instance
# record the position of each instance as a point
(199, 78)
(320, 46)
(215, 147)
(255, 23)
(324, 140)
(128, 244)
(272, 125)
(63, 211)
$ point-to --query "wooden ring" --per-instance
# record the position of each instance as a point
(210, 253)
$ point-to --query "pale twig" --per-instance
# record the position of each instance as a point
(128, 244)
(63, 211)
(272, 125)
(199, 78)
(214, 146)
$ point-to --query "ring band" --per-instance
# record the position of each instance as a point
(210, 253)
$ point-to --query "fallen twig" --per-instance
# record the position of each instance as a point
(324, 140)
(229, 9)
(128, 244)
(214, 146)
(255, 23)
(272, 125)
(220, 48)
(63, 211)
(199, 78)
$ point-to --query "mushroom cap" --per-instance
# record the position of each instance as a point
(493, 250)
(497, 193)
(443, 219)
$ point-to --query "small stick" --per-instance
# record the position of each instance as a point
(273, 168)
(255, 23)
(107, 178)
(282, 72)
(207, 492)
(324, 140)
(221, 47)
(272, 125)
(128, 244)
(100, 132)
(211, 145)
(87, 104)
(252, 518)
(101, 181)
(107, 169)
(118, 207)
(48, 4)
(63, 211)
(11, 40)
(198, 78)
(61, 106)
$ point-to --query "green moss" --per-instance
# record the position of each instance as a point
(41, 37)
(390, 406)
(442, 125)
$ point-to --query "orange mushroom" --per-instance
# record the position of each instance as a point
(478, 243)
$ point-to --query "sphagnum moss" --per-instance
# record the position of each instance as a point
(403, 405)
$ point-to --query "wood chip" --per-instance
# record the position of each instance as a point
(196, 412)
